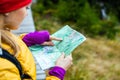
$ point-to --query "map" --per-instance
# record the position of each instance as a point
(46, 56)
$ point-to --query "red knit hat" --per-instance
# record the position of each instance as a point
(10, 5)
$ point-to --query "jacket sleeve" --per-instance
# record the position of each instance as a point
(8, 70)
(56, 73)
(52, 78)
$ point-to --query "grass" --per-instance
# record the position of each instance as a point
(95, 59)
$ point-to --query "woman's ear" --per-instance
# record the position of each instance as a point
(6, 14)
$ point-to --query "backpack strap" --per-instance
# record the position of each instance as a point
(5, 54)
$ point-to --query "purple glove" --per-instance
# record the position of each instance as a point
(37, 37)
(58, 72)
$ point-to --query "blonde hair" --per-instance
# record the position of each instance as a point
(6, 36)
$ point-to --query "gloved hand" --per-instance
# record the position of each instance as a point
(62, 64)
(40, 38)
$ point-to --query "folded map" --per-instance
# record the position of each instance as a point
(46, 56)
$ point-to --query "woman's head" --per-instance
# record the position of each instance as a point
(12, 12)
(13, 19)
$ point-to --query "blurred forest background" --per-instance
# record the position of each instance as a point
(98, 58)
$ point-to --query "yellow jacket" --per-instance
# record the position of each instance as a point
(8, 71)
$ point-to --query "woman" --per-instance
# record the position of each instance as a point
(12, 13)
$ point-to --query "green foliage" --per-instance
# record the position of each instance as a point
(69, 12)
(108, 29)
(39, 8)
(44, 7)
(85, 17)
(99, 27)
